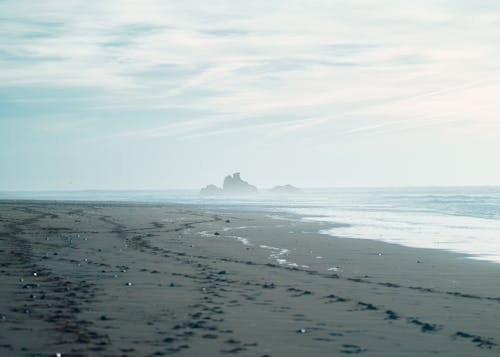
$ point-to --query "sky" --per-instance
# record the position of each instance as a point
(158, 94)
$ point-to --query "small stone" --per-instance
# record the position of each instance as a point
(129, 284)
(35, 274)
(172, 285)
(222, 272)
(302, 330)
(104, 317)
(216, 234)
(228, 221)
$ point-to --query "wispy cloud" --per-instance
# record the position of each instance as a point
(321, 90)
(363, 60)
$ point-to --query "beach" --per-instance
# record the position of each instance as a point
(132, 279)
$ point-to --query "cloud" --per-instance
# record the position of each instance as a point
(368, 64)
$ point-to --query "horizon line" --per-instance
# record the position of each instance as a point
(259, 188)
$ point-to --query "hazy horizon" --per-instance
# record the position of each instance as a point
(122, 95)
(263, 188)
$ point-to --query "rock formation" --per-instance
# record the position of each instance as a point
(233, 185)
(286, 189)
(211, 190)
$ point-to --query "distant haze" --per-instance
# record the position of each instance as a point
(178, 94)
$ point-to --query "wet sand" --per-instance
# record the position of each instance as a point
(109, 279)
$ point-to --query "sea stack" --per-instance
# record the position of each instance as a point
(286, 190)
(233, 185)
(211, 190)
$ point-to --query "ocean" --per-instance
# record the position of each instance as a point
(458, 219)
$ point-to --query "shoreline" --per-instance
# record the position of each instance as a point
(194, 292)
(284, 212)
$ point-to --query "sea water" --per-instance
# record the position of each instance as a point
(458, 219)
(462, 220)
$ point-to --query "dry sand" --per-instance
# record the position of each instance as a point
(104, 279)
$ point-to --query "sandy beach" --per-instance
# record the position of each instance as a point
(116, 279)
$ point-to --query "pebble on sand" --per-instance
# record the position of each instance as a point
(129, 284)
(302, 330)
